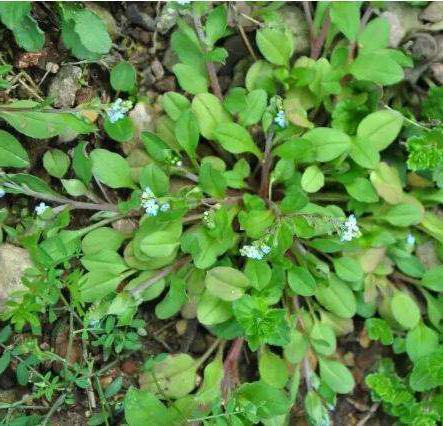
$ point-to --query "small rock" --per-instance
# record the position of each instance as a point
(406, 15)
(166, 84)
(170, 59)
(181, 327)
(396, 30)
(64, 86)
(425, 47)
(9, 396)
(157, 69)
(85, 94)
(148, 78)
(167, 19)
(13, 262)
(433, 13)
(143, 118)
(437, 72)
(139, 18)
(439, 56)
(140, 35)
(105, 381)
(28, 59)
(125, 226)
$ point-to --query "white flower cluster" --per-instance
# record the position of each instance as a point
(280, 119)
(410, 240)
(118, 110)
(349, 229)
(151, 204)
(255, 251)
(183, 2)
(208, 219)
(41, 208)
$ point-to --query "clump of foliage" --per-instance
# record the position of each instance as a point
(274, 214)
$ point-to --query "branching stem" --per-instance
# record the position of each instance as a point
(267, 163)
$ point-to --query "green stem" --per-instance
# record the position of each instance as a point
(80, 205)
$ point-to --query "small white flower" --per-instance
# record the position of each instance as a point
(118, 110)
(349, 229)
(93, 323)
(41, 208)
(252, 252)
(151, 207)
(410, 240)
(151, 204)
(179, 163)
(280, 119)
(208, 219)
(147, 193)
(183, 2)
(2, 192)
(255, 251)
(265, 249)
(165, 207)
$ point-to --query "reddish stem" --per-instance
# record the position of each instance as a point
(318, 42)
(231, 377)
(267, 164)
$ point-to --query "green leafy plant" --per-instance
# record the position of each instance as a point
(83, 31)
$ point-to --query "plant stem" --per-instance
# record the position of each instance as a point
(243, 33)
(413, 122)
(308, 14)
(318, 42)
(406, 279)
(267, 163)
(215, 85)
(329, 197)
(364, 20)
(307, 368)
(208, 353)
(230, 366)
(80, 205)
(136, 291)
(57, 404)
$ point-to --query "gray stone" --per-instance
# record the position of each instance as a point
(437, 71)
(64, 86)
(433, 13)
(143, 117)
(405, 20)
(396, 30)
(139, 18)
(167, 19)
(170, 59)
(13, 261)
